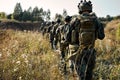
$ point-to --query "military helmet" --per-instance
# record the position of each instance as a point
(58, 20)
(52, 22)
(85, 6)
(68, 18)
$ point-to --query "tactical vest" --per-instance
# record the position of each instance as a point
(87, 33)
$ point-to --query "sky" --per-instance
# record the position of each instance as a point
(100, 7)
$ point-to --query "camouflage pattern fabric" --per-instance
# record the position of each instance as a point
(62, 31)
(55, 41)
(85, 63)
(83, 57)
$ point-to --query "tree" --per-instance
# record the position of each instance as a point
(41, 13)
(2, 15)
(29, 10)
(117, 17)
(109, 18)
(18, 12)
(26, 16)
(29, 14)
(35, 13)
(47, 15)
(9, 16)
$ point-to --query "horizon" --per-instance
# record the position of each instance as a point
(100, 7)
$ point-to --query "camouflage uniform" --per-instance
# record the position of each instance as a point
(47, 30)
(42, 30)
(63, 31)
(55, 41)
(51, 37)
(87, 29)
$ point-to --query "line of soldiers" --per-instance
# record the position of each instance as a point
(76, 39)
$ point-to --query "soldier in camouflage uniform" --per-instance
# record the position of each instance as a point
(84, 31)
(42, 28)
(63, 33)
(47, 30)
(51, 37)
(55, 35)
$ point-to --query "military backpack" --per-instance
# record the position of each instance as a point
(87, 31)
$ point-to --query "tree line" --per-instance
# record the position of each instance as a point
(35, 14)
(39, 14)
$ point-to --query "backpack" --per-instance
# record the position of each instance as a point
(87, 31)
(74, 36)
(74, 31)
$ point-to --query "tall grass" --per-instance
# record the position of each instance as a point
(108, 58)
(28, 56)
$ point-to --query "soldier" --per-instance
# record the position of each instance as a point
(46, 30)
(63, 33)
(42, 27)
(51, 37)
(58, 23)
(84, 31)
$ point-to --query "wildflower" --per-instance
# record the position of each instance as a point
(26, 61)
(18, 62)
(15, 69)
(20, 78)
(0, 54)
(24, 56)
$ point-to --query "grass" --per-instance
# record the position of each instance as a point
(108, 59)
(27, 56)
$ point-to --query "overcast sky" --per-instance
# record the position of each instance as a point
(100, 7)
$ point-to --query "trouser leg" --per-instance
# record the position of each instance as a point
(91, 66)
(85, 65)
(55, 44)
(71, 65)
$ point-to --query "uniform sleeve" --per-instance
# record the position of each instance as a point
(100, 30)
(68, 34)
